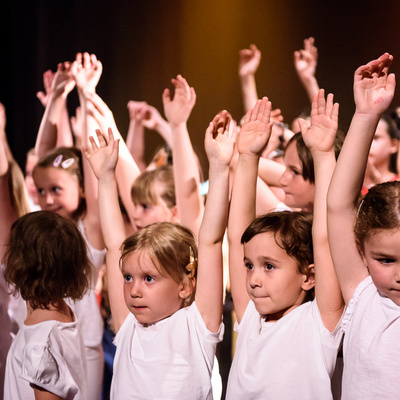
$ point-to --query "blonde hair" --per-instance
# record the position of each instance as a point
(152, 186)
(17, 189)
(170, 246)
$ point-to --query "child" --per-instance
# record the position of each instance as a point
(46, 262)
(366, 259)
(287, 345)
(66, 185)
(165, 342)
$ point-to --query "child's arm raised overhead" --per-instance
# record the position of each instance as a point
(209, 291)
(320, 138)
(249, 61)
(252, 141)
(50, 135)
(103, 161)
(127, 170)
(373, 93)
(185, 166)
(305, 62)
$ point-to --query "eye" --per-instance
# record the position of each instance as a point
(385, 261)
(295, 172)
(56, 189)
(149, 279)
(269, 267)
(127, 278)
(249, 266)
(40, 191)
(145, 206)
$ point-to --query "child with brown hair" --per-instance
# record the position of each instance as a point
(46, 262)
(364, 240)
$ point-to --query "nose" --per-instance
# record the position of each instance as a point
(49, 199)
(136, 290)
(137, 212)
(397, 274)
(284, 179)
(255, 279)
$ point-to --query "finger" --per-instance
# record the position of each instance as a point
(335, 114)
(314, 105)
(321, 102)
(166, 97)
(110, 136)
(93, 144)
(329, 105)
(255, 111)
(86, 60)
(303, 126)
(101, 138)
(391, 83)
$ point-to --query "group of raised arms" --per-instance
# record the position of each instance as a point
(301, 226)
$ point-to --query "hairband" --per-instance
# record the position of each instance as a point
(191, 267)
(64, 164)
(359, 207)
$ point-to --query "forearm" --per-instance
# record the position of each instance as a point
(187, 179)
(64, 133)
(311, 86)
(249, 91)
(47, 136)
(345, 186)
(135, 142)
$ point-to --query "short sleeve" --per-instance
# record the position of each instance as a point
(46, 369)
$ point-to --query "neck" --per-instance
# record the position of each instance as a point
(58, 311)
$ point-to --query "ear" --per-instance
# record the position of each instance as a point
(394, 146)
(309, 278)
(187, 287)
(174, 214)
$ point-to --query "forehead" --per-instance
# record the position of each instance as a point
(383, 241)
(51, 175)
(139, 261)
(291, 157)
(263, 244)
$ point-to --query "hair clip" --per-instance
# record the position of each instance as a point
(67, 163)
(57, 161)
(359, 207)
(191, 267)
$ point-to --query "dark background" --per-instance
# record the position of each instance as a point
(143, 44)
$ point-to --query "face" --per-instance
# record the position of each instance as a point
(58, 191)
(299, 193)
(149, 295)
(382, 257)
(146, 214)
(273, 281)
(382, 146)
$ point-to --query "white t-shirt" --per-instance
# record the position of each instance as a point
(371, 347)
(292, 358)
(172, 359)
(48, 355)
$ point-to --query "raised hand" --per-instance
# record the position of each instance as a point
(151, 118)
(249, 60)
(87, 71)
(63, 80)
(219, 141)
(305, 60)
(179, 108)
(43, 97)
(103, 159)
(256, 129)
(99, 110)
(320, 136)
(373, 87)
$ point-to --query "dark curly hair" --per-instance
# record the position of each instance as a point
(46, 259)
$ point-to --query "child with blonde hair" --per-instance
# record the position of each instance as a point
(165, 296)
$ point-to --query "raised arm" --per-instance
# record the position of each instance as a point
(52, 132)
(249, 61)
(127, 170)
(320, 138)
(252, 140)
(305, 63)
(135, 135)
(373, 93)
(219, 145)
(185, 166)
(87, 71)
(103, 160)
